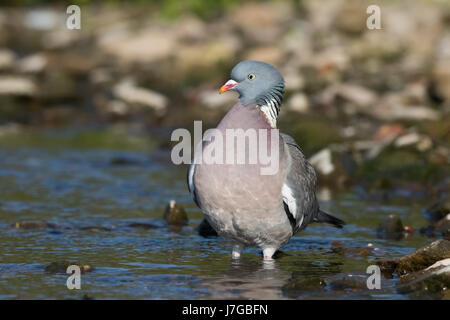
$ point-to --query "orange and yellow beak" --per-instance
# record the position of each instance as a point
(228, 86)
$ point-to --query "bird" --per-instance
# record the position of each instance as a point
(243, 206)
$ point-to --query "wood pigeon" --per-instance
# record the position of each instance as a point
(244, 206)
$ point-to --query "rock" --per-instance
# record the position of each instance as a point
(34, 63)
(351, 18)
(305, 284)
(7, 58)
(214, 53)
(348, 282)
(269, 54)
(141, 97)
(175, 214)
(123, 161)
(434, 279)
(407, 139)
(262, 22)
(424, 257)
(438, 210)
(322, 161)
(61, 267)
(32, 225)
(298, 103)
(352, 98)
(17, 86)
(389, 131)
(43, 19)
(293, 80)
(205, 229)
(148, 45)
(421, 142)
(443, 225)
(142, 226)
(352, 252)
(57, 84)
(387, 266)
(391, 228)
(391, 107)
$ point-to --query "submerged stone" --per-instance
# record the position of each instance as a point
(175, 214)
(143, 226)
(391, 228)
(61, 267)
(438, 210)
(296, 287)
(33, 225)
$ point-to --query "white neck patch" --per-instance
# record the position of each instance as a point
(270, 111)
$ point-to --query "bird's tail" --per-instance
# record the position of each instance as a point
(328, 218)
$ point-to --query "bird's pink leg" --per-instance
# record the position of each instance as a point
(236, 253)
(268, 253)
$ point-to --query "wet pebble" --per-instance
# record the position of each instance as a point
(438, 210)
(61, 267)
(142, 226)
(175, 214)
(33, 225)
(391, 228)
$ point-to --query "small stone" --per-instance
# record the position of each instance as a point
(443, 225)
(438, 210)
(142, 226)
(407, 139)
(61, 267)
(7, 58)
(32, 225)
(138, 96)
(205, 229)
(322, 161)
(391, 228)
(17, 86)
(298, 103)
(389, 131)
(387, 266)
(408, 229)
(293, 80)
(175, 214)
(32, 64)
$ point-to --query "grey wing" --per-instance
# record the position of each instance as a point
(299, 189)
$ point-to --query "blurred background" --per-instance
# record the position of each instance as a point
(377, 98)
(86, 117)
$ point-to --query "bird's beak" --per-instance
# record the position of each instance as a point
(228, 86)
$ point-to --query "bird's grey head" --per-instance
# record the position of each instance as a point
(257, 83)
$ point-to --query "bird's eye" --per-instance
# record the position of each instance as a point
(251, 76)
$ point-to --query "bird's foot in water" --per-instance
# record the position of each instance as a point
(236, 253)
(268, 253)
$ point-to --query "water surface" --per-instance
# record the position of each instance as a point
(90, 186)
